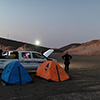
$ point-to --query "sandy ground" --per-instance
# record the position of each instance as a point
(83, 85)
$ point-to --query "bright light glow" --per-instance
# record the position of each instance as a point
(37, 42)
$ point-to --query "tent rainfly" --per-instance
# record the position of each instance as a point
(51, 70)
(15, 73)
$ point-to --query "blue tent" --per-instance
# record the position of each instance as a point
(15, 73)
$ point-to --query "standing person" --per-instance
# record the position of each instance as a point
(66, 59)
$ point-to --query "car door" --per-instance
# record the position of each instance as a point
(38, 59)
(26, 60)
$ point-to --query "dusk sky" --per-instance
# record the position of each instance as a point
(55, 23)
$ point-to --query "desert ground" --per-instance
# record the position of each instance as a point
(84, 83)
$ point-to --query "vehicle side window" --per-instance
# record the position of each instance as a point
(14, 54)
(38, 56)
(26, 55)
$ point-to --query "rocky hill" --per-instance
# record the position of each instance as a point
(8, 44)
(69, 46)
(88, 48)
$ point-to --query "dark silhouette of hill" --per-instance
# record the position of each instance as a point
(16, 44)
(69, 46)
(8, 44)
(88, 48)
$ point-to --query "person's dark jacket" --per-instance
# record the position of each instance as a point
(66, 58)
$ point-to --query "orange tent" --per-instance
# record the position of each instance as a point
(50, 70)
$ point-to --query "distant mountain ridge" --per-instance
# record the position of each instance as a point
(87, 48)
(69, 46)
(8, 44)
